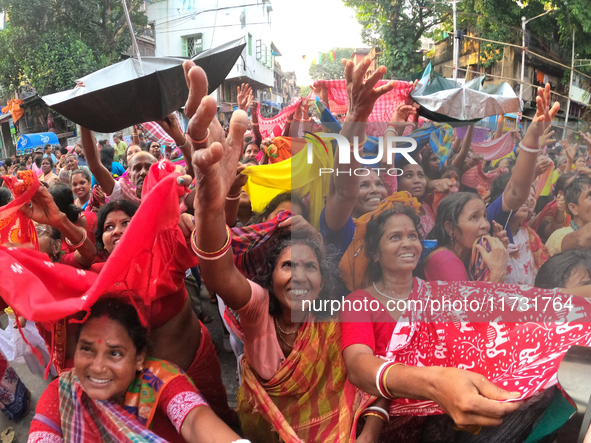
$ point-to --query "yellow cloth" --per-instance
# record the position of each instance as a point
(294, 174)
(554, 242)
(509, 155)
(555, 176)
(548, 186)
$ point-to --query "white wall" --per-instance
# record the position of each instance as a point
(219, 22)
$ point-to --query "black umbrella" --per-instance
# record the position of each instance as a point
(129, 93)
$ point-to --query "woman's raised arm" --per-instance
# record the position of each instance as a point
(102, 176)
(214, 163)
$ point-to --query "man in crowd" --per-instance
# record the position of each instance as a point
(119, 145)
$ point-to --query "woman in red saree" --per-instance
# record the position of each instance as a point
(476, 365)
(117, 394)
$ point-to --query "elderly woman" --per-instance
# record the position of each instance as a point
(47, 168)
(293, 380)
(116, 393)
(422, 360)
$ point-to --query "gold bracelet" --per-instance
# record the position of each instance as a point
(81, 242)
(385, 378)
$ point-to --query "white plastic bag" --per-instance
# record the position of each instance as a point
(13, 346)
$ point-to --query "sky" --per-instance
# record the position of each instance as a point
(307, 27)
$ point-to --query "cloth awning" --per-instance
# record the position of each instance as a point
(27, 142)
(271, 104)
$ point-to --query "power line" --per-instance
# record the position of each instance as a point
(194, 14)
(197, 28)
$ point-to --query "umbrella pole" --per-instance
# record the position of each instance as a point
(133, 39)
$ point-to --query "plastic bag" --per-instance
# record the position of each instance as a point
(13, 346)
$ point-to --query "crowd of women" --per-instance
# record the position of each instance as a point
(105, 263)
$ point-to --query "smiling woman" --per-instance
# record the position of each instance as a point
(119, 394)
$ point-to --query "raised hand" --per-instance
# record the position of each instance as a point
(362, 94)
(547, 137)
(542, 165)
(500, 233)
(42, 208)
(587, 138)
(244, 96)
(321, 92)
(544, 113)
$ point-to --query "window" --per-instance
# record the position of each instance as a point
(192, 45)
(264, 54)
(249, 44)
(259, 54)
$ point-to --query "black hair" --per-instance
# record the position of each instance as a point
(83, 172)
(449, 210)
(123, 313)
(251, 160)
(558, 269)
(561, 182)
(246, 145)
(38, 158)
(46, 146)
(282, 198)
(7, 163)
(286, 239)
(498, 186)
(64, 199)
(126, 206)
(5, 196)
(375, 231)
(574, 189)
(63, 151)
(48, 158)
(107, 157)
(451, 168)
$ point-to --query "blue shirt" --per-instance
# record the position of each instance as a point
(340, 239)
(116, 169)
(495, 212)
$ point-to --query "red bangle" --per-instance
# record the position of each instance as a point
(195, 142)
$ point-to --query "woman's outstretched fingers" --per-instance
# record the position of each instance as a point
(238, 126)
(197, 83)
(200, 122)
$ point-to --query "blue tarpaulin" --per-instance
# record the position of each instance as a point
(271, 104)
(27, 142)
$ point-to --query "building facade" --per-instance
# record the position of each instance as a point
(187, 27)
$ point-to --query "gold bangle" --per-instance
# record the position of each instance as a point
(81, 242)
(211, 255)
(385, 378)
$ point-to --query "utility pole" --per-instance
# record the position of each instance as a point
(456, 41)
(570, 85)
(523, 22)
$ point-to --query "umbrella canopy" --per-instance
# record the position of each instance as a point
(27, 142)
(444, 100)
(128, 93)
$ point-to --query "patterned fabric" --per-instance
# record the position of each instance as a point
(475, 177)
(495, 149)
(154, 132)
(550, 211)
(382, 110)
(308, 399)
(355, 264)
(143, 393)
(14, 397)
(14, 226)
(543, 179)
(44, 437)
(81, 417)
(250, 243)
(181, 405)
(273, 127)
(519, 354)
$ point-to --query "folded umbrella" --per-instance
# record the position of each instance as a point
(130, 92)
(444, 100)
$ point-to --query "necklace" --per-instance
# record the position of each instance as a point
(282, 331)
(387, 296)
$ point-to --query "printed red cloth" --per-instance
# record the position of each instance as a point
(496, 148)
(14, 226)
(142, 264)
(516, 349)
(475, 177)
(273, 127)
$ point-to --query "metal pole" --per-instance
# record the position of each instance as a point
(569, 87)
(133, 39)
(456, 49)
(522, 57)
